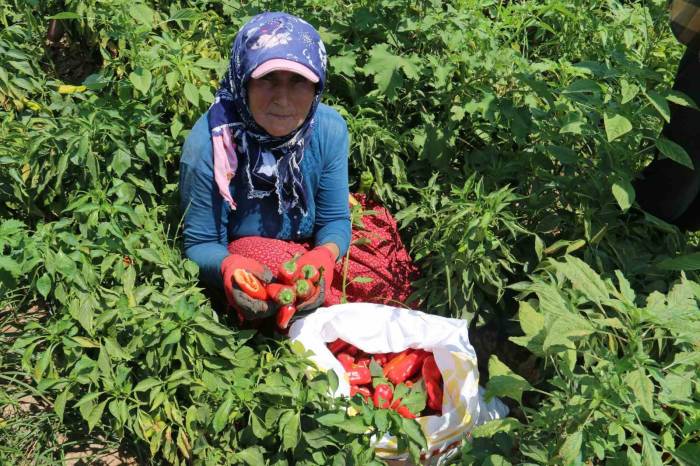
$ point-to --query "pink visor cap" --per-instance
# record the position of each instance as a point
(280, 64)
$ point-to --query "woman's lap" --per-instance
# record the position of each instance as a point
(379, 268)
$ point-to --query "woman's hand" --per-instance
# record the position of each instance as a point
(322, 257)
(248, 306)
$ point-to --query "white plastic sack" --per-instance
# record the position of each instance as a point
(377, 328)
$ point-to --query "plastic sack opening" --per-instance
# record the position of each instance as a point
(376, 328)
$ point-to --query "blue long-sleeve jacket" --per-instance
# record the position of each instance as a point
(209, 223)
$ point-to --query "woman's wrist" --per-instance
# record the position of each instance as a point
(333, 249)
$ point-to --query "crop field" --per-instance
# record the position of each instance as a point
(503, 135)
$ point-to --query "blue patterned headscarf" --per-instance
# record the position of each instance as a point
(271, 163)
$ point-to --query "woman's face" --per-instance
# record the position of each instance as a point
(280, 101)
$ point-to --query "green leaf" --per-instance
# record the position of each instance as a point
(582, 86)
(59, 404)
(221, 415)
(650, 455)
(616, 126)
(660, 104)
(381, 419)
(679, 98)
(253, 456)
(571, 448)
(43, 285)
(10, 265)
(685, 262)
(385, 66)
(492, 428)
(121, 161)
(629, 91)
(676, 388)
(688, 454)
(186, 14)
(290, 432)
(142, 13)
(146, 384)
(115, 350)
(318, 438)
(173, 337)
(411, 428)
(87, 398)
(624, 194)
(192, 93)
(504, 382)
(354, 425)
(259, 429)
(65, 15)
(674, 152)
(95, 415)
(495, 460)
(642, 388)
(141, 79)
(214, 327)
(583, 278)
(343, 64)
(43, 364)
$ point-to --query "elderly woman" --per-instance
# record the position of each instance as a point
(264, 173)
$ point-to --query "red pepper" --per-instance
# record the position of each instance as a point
(287, 271)
(249, 283)
(433, 383)
(400, 368)
(281, 294)
(337, 346)
(359, 375)
(309, 272)
(285, 314)
(381, 358)
(346, 360)
(304, 289)
(383, 394)
(364, 391)
(402, 409)
(363, 361)
(352, 350)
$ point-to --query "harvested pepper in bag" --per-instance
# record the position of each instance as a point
(281, 294)
(285, 314)
(382, 358)
(364, 391)
(362, 360)
(402, 409)
(433, 383)
(383, 394)
(337, 346)
(346, 360)
(352, 350)
(287, 271)
(404, 366)
(358, 375)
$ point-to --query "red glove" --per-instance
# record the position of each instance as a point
(249, 307)
(321, 258)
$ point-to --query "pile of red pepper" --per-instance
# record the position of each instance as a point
(411, 367)
(298, 285)
(295, 285)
